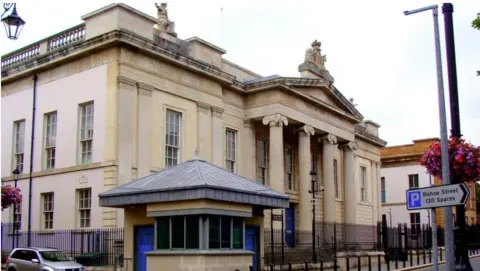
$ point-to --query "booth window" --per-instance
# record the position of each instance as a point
(225, 232)
(184, 232)
(178, 232)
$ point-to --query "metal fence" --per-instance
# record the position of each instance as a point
(100, 247)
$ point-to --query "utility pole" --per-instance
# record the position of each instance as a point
(462, 261)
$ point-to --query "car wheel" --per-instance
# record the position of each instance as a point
(11, 269)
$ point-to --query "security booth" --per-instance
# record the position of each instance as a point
(193, 216)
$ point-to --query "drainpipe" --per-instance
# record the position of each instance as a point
(29, 234)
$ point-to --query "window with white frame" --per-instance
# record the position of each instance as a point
(84, 207)
(363, 183)
(17, 215)
(262, 161)
(335, 177)
(288, 155)
(172, 138)
(50, 139)
(86, 132)
(415, 223)
(47, 210)
(231, 149)
(413, 181)
(18, 144)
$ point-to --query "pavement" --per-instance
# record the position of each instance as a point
(475, 262)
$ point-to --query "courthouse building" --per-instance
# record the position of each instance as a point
(120, 96)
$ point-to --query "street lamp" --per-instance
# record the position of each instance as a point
(313, 191)
(390, 214)
(450, 259)
(13, 23)
(15, 173)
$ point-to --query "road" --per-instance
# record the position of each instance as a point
(475, 262)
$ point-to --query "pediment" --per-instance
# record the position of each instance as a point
(332, 97)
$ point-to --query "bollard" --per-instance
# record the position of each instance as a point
(347, 259)
(424, 257)
(306, 266)
(379, 263)
(250, 268)
(289, 266)
(418, 257)
(359, 263)
(388, 261)
(411, 258)
(396, 260)
(321, 264)
(369, 263)
(271, 267)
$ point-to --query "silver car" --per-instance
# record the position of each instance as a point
(40, 259)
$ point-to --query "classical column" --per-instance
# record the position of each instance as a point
(350, 187)
(305, 181)
(204, 121)
(275, 151)
(329, 145)
(217, 137)
(248, 150)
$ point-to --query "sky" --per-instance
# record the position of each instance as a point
(377, 55)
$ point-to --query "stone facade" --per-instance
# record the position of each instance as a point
(264, 128)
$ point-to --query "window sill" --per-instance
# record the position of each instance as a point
(365, 203)
(199, 252)
(338, 200)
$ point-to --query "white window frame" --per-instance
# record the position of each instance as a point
(335, 178)
(17, 219)
(415, 226)
(173, 139)
(48, 207)
(84, 206)
(86, 128)
(262, 164)
(18, 144)
(363, 183)
(288, 168)
(231, 149)
(50, 144)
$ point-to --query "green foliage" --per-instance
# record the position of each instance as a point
(476, 22)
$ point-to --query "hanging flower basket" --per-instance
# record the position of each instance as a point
(464, 160)
(10, 196)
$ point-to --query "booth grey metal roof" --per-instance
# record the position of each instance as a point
(193, 179)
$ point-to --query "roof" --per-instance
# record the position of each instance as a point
(191, 180)
(126, 7)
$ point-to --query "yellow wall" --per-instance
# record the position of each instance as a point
(134, 216)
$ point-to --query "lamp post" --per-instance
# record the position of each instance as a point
(13, 23)
(443, 136)
(390, 214)
(313, 191)
(15, 173)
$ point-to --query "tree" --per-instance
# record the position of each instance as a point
(476, 22)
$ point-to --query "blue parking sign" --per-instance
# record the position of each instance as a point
(414, 199)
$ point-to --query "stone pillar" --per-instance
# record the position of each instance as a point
(204, 132)
(248, 151)
(217, 137)
(350, 186)
(305, 180)
(329, 144)
(276, 172)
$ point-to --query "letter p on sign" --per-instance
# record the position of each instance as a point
(415, 199)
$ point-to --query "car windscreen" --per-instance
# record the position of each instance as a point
(54, 256)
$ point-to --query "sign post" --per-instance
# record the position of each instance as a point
(437, 196)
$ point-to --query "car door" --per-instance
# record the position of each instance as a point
(20, 257)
